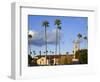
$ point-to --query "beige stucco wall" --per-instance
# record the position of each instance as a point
(42, 61)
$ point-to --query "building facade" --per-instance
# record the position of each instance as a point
(55, 60)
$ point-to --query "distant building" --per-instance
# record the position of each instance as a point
(54, 59)
(76, 47)
(49, 60)
(42, 61)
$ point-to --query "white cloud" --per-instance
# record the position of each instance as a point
(38, 38)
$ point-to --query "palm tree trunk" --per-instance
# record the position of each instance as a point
(86, 44)
(46, 45)
(30, 49)
(56, 41)
(59, 46)
(59, 42)
(79, 44)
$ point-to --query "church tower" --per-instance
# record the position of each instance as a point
(76, 47)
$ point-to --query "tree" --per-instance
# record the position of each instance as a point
(79, 39)
(47, 51)
(58, 28)
(45, 24)
(44, 52)
(40, 53)
(85, 38)
(50, 52)
(79, 35)
(32, 61)
(67, 53)
(34, 53)
(82, 55)
(30, 37)
(30, 52)
(29, 60)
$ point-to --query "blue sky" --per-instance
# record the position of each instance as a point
(71, 26)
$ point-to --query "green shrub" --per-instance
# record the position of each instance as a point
(82, 55)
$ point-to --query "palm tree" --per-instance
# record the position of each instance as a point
(67, 53)
(58, 28)
(79, 39)
(34, 53)
(73, 52)
(29, 60)
(44, 52)
(40, 52)
(45, 24)
(85, 38)
(52, 53)
(30, 52)
(79, 35)
(47, 51)
(30, 37)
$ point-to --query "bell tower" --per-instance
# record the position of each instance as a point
(76, 47)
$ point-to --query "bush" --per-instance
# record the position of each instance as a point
(31, 61)
(82, 55)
